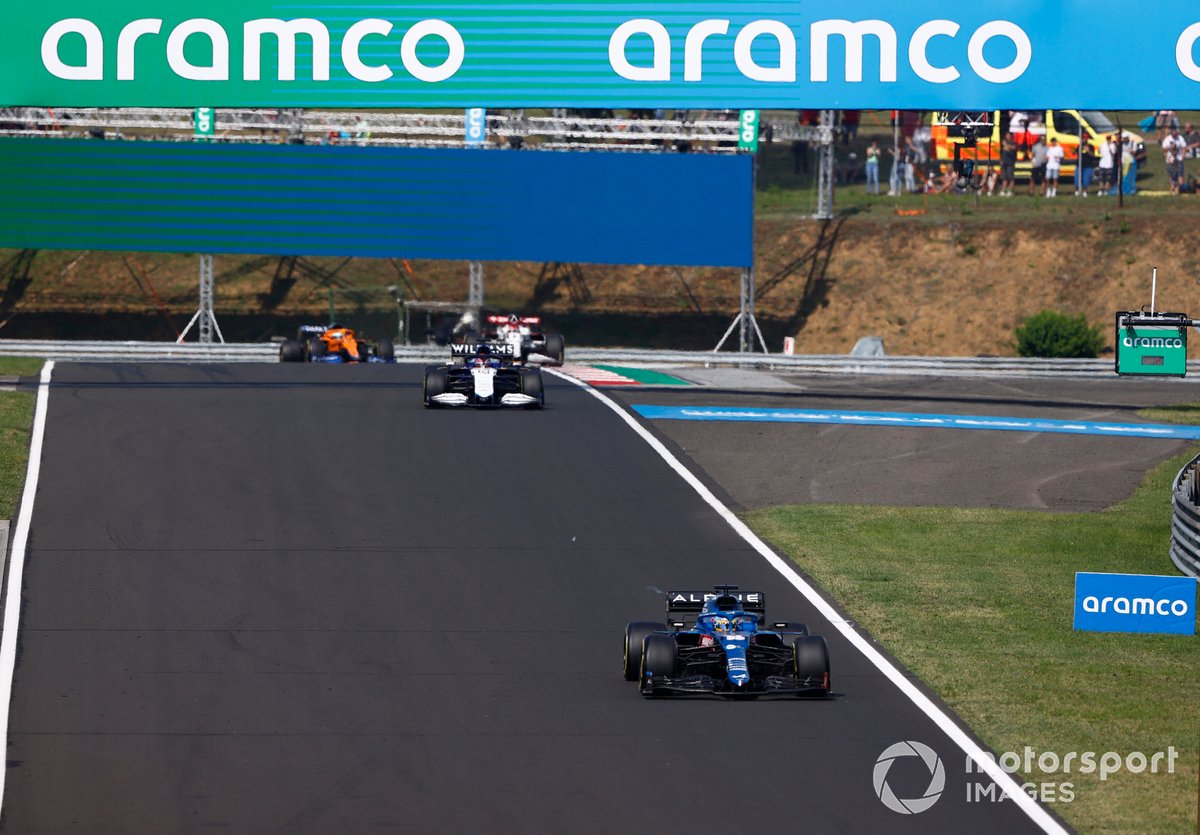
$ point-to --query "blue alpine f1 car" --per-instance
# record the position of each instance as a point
(725, 651)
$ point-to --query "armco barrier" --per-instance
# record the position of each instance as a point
(1185, 520)
(72, 351)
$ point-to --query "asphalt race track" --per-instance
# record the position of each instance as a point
(289, 599)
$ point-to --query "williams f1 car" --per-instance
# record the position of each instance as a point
(526, 334)
(333, 343)
(726, 650)
(484, 375)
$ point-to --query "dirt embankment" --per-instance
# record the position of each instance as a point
(926, 286)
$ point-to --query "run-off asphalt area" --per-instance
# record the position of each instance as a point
(279, 598)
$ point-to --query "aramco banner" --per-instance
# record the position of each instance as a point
(593, 207)
(600, 53)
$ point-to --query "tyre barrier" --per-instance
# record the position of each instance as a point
(1185, 519)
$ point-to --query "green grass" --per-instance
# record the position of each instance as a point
(20, 366)
(979, 604)
(16, 420)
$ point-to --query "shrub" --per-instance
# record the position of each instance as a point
(1054, 334)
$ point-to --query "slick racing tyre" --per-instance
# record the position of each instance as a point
(317, 348)
(811, 658)
(531, 384)
(660, 656)
(385, 350)
(291, 351)
(435, 384)
(635, 634)
(556, 348)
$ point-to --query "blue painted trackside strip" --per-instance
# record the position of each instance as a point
(903, 419)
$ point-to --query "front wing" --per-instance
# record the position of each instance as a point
(705, 685)
(460, 390)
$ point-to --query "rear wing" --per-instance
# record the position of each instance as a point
(522, 320)
(502, 350)
(692, 602)
(317, 329)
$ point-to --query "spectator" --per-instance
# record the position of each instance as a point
(1164, 120)
(1084, 167)
(1108, 156)
(1192, 137)
(1008, 166)
(1054, 158)
(872, 167)
(850, 120)
(1174, 147)
(1037, 159)
(898, 166)
(990, 179)
(945, 182)
(921, 139)
(911, 158)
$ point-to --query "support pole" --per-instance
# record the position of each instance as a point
(747, 292)
(475, 287)
(825, 164)
(204, 318)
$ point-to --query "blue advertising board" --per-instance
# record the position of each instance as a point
(1135, 603)
(576, 207)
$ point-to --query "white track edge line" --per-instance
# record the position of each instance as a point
(939, 717)
(16, 565)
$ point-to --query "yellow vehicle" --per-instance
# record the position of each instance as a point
(1067, 126)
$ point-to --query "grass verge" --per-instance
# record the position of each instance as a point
(16, 421)
(979, 604)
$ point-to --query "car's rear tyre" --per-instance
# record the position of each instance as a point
(556, 348)
(435, 384)
(811, 658)
(660, 656)
(635, 634)
(317, 348)
(385, 350)
(291, 351)
(531, 384)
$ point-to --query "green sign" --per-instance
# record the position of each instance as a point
(748, 131)
(1152, 350)
(774, 54)
(205, 121)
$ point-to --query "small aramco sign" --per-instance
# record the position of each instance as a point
(1135, 603)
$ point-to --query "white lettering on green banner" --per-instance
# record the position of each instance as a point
(748, 131)
(775, 54)
(205, 121)
(1152, 351)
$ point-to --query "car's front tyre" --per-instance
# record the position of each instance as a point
(435, 384)
(635, 634)
(810, 656)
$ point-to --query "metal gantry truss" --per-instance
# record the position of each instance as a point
(705, 131)
(204, 318)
